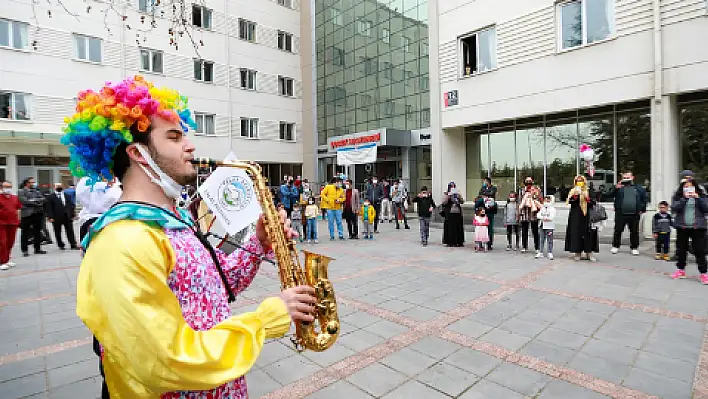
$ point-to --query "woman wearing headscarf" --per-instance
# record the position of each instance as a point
(528, 210)
(453, 231)
(581, 238)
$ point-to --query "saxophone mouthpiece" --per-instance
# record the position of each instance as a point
(203, 162)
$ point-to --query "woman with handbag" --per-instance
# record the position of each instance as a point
(453, 231)
(581, 237)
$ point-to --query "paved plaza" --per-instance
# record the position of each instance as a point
(417, 322)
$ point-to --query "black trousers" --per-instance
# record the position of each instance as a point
(525, 234)
(31, 227)
(698, 240)
(68, 226)
(377, 209)
(515, 229)
(352, 223)
(662, 243)
(632, 221)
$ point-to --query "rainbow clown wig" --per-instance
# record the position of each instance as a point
(106, 119)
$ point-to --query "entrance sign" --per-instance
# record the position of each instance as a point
(363, 154)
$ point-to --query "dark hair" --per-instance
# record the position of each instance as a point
(424, 188)
(663, 203)
(25, 181)
(121, 161)
(489, 179)
(335, 180)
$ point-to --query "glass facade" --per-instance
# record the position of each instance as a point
(693, 132)
(372, 66)
(547, 149)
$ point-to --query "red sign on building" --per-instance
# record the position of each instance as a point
(371, 138)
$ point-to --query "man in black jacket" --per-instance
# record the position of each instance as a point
(426, 205)
(375, 194)
(61, 213)
(32, 215)
(630, 203)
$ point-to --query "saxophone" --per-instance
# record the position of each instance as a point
(290, 271)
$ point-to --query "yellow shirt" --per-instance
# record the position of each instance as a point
(124, 299)
(332, 197)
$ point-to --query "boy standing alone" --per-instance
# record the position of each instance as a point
(425, 210)
(661, 227)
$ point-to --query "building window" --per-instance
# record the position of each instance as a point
(203, 70)
(336, 95)
(386, 69)
(410, 113)
(406, 44)
(249, 127)
(424, 83)
(146, 5)
(205, 123)
(693, 132)
(363, 27)
(13, 34)
(285, 86)
(370, 66)
(287, 131)
(88, 48)
(585, 21)
(479, 52)
(286, 3)
(408, 77)
(201, 16)
(14, 106)
(425, 117)
(151, 60)
(389, 107)
(246, 30)
(336, 16)
(248, 79)
(337, 56)
(386, 35)
(285, 41)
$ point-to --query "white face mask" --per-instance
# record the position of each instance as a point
(171, 188)
(374, 181)
(7, 190)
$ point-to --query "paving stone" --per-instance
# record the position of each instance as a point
(610, 350)
(377, 379)
(598, 308)
(72, 373)
(521, 327)
(584, 323)
(549, 352)
(606, 369)
(23, 386)
(518, 378)
(655, 384)
(561, 389)
(362, 319)
(447, 379)
(340, 389)
(470, 328)
(473, 361)
(673, 349)
(273, 351)
(386, 329)
(563, 338)
(505, 339)
(85, 388)
(22, 368)
(360, 340)
(396, 305)
(486, 390)
(420, 313)
(435, 347)
(71, 356)
(619, 337)
(665, 366)
(408, 361)
(414, 389)
(291, 369)
(260, 383)
(334, 354)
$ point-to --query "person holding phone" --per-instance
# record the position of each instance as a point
(690, 208)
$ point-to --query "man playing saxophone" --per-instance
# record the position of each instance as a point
(152, 290)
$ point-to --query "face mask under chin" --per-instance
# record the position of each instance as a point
(168, 185)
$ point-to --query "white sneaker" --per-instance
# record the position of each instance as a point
(539, 255)
(614, 250)
(11, 264)
(635, 252)
(550, 256)
(4, 266)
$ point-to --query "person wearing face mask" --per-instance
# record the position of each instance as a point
(61, 213)
(453, 229)
(630, 203)
(151, 288)
(332, 201)
(375, 193)
(511, 221)
(32, 216)
(288, 195)
(581, 239)
(529, 206)
(9, 221)
(351, 209)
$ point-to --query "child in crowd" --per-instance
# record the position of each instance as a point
(511, 220)
(481, 230)
(311, 213)
(426, 205)
(282, 213)
(661, 227)
(296, 220)
(368, 215)
(546, 217)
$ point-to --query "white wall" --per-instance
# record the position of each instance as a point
(53, 77)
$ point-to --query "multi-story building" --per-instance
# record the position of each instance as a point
(372, 84)
(520, 85)
(243, 81)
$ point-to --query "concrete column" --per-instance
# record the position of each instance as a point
(449, 160)
(11, 171)
(406, 166)
(665, 152)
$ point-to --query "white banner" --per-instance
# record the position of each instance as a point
(363, 154)
(230, 194)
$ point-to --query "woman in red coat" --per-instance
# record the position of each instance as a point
(9, 221)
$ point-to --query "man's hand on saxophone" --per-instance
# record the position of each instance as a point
(300, 302)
